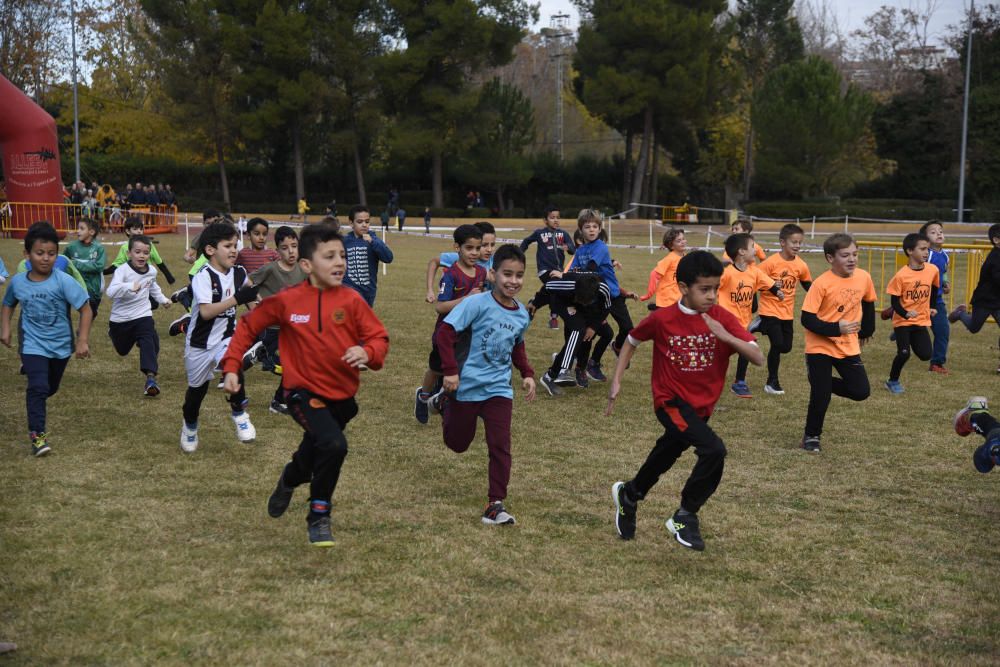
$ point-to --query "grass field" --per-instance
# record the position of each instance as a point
(119, 549)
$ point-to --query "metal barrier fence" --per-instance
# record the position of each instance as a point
(16, 217)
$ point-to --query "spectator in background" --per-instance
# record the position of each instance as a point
(169, 198)
(400, 218)
(137, 196)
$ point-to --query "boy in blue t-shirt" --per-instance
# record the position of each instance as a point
(478, 341)
(934, 231)
(45, 332)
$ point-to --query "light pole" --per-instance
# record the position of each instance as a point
(965, 116)
(556, 32)
(76, 105)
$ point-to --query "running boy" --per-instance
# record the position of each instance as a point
(692, 342)
(739, 285)
(776, 314)
(478, 341)
(550, 255)
(216, 290)
(328, 334)
(271, 279)
(912, 291)
(258, 254)
(461, 279)
(45, 332)
(88, 258)
(986, 297)
(364, 251)
(934, 231)
(975, 417)
(746, 227)
(446, 259)
(663, 277)
(131, 323)
(839, 316)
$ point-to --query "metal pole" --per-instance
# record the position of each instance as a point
(965, 117)
(76, 106)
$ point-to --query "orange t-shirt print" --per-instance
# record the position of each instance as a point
(833, 298)
(914, 291)
(790, 273)
(736, 290)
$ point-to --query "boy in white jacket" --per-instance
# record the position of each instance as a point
(130, 291)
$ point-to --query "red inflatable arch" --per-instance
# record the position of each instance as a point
(30, 150)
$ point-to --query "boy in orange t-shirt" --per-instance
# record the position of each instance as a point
(838, 315)
(746, 227)
(776, 315)
(663, 278)
(913, 289)
(739, 285)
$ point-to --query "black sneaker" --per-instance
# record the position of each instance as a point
(496, 515)
(810, 444)
(319, 532)
(565, 378)
(624, 511)
(179, 326)
(581, 378)
(280, 497)
(252, 356)
(278, 408)
(550, 385)
(685, 531)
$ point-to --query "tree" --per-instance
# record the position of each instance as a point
(426, 85)
(506, 127)
(187, 44)
(648, 67)
(893, 46)
(767, 35)
(33, 43)
(809, 123)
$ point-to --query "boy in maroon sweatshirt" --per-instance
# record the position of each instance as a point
(327, 335)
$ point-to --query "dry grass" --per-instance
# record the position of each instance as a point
(119, 549)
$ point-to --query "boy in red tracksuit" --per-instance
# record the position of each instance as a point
(327, 334)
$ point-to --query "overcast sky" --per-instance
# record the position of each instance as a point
(850, 13)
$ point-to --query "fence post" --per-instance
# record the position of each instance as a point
(812, 234)
(846, 231)
(187, 233)
(650, 237)
(385, 240)
(708, 238)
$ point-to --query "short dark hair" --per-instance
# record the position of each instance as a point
(994, 232)
(508, 252)
(215, 233)
(94, 225)
(253, 222)
(139, 238)
(698, 264)
(789, 230)
(549, 209)
(210, 214)
(40, 231)
(463, 233)
(670, 235)
(313, 235)
(927, 225)
(486, 228)
(284, 232)
(836, 242)
(910, 241)
(331, 221)
(735, 243)
(744, 223)
(358, 208)
(133, 222)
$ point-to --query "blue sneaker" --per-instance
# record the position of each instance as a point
(894, 387)
(420, 405)
(152, 389)
(595, 372)
(741, 389)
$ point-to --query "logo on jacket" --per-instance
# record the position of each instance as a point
(339, 316)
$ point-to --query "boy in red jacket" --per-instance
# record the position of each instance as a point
(327, 334)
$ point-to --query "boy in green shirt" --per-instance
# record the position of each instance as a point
(87, 255)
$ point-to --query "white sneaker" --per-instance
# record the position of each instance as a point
(245, 432)
(250, 357)
(189, 438)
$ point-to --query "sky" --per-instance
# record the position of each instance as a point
(850, 13)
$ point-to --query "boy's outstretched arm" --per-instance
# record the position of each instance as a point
(83, 340)
(445, 307)
(624, 357)
(5, 314)
(432, 268)
(749, 350)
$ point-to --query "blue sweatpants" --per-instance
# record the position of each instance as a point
(44, 375)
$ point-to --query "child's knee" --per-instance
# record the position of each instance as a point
(332, 443)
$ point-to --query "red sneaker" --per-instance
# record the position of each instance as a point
(935, 368)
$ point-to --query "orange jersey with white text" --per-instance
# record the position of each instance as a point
(833, 298)
(789, 273)
(914, 291)
(736, 290)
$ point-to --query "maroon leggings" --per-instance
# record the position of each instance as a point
(460, 419)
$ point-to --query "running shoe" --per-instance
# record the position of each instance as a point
(496, 515)
(684, 528)
(624, 511)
